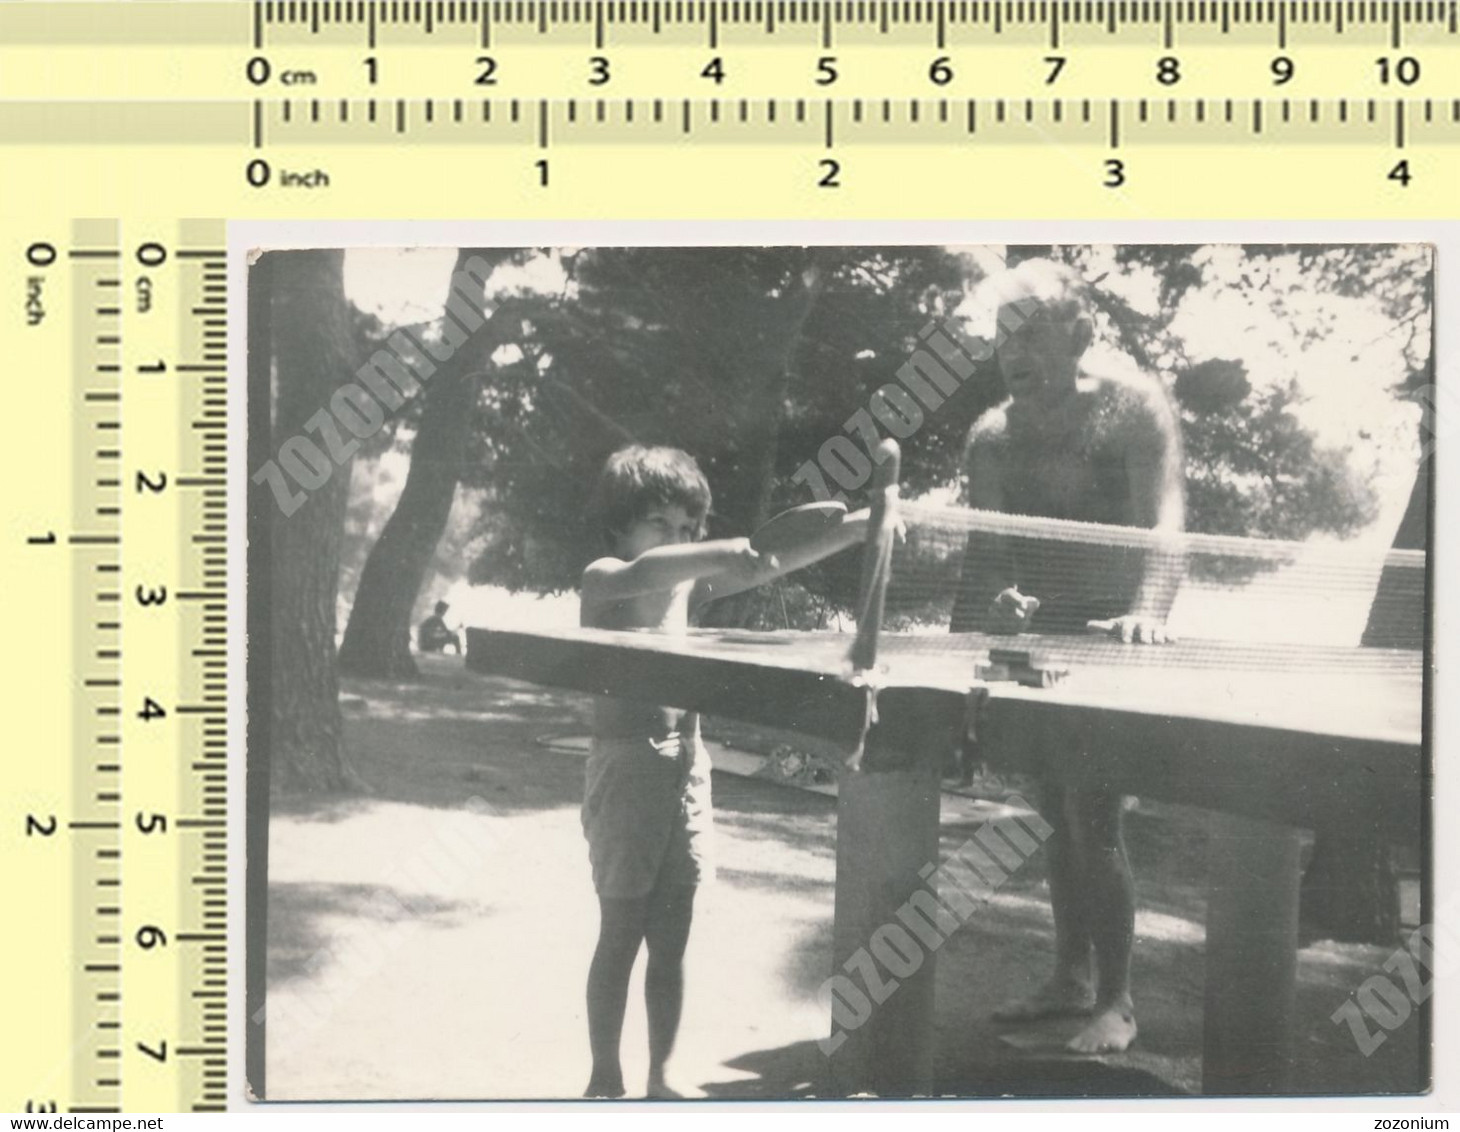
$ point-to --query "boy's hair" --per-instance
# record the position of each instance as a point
(442, 607)
(637, 478)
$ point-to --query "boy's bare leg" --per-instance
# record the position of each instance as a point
(1068, 990)
(621, 930)
(666, 932)
(1112, 901)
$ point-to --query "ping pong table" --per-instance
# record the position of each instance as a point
(1271, 738)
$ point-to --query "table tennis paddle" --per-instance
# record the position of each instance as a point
(796, 526)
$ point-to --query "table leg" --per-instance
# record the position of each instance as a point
(887, 830)
(1251, 957)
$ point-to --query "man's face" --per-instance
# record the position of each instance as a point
(664, 524)
(1038, 350)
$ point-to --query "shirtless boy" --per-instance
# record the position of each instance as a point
(1071, 443)
(646, 808)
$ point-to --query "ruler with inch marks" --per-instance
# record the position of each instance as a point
(114, 831)
(982, 108)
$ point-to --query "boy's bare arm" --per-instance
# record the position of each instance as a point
(851, 530)
(664, 567)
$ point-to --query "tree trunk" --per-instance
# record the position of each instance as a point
(1397, 617)
(767, 408)
(377, 640)
(314, 354)
(760, 430)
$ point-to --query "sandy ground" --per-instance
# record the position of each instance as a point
(432, 939)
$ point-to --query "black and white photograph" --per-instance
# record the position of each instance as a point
(765, 673)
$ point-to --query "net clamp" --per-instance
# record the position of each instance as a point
(865, 681)
(1030, 668)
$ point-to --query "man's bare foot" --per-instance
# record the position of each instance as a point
(1111, 1031)
(1058, 998)
(661, 1090)
(604, 1088)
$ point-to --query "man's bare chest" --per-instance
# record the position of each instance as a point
(1061, 477)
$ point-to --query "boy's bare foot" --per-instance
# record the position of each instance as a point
(604, 1088)
(1111, 1031)
(660, 1089)
(1058, 998)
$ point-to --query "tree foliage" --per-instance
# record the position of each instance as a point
(749, 358)
(377, 640)
(1252, 467)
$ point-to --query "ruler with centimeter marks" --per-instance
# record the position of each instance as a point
(144, 114)
(113, 832)
(676, 107)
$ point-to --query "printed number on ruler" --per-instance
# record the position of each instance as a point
(725, 108)
(120, 805)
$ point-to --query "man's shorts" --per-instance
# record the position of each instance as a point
(647, 815)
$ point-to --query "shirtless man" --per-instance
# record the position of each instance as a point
(1070, 443)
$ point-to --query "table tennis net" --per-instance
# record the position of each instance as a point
(953, 561)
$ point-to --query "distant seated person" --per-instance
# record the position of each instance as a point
(433, 636)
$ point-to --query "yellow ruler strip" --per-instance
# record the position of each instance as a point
(987, 160)
(1007, 109)
(443, 49)
(116, 550)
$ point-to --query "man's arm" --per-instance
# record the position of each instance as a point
(1157, 478)
(988, 565)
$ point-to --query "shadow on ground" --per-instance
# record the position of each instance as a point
(305, 919)
(490, 998)
(479, 730)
